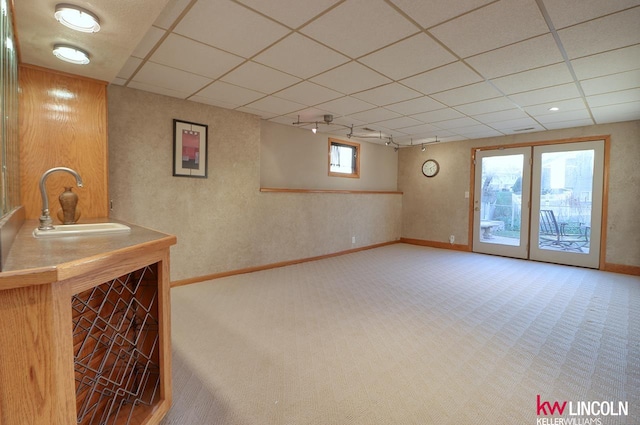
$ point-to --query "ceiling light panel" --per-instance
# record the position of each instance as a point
(77, 18)
(71, 54)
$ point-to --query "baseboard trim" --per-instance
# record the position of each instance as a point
(435, 244)
(622, 268)
(214, 276)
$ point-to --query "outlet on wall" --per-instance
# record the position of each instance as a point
(452, 239)
(353, 239)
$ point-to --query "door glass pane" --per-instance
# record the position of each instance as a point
(566, 190)
(501, 199)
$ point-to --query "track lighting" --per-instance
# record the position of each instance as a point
(315, 129)
(424, 148)
(77, 18)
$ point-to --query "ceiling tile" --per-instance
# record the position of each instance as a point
(486, 106)
(374, 115)
(444, 78)
(292, 13)
(478, 132)
(546, 96)
(607, 33)
(612, 62)
(492, 117)
(559, 116)
(260, 78)
(416, 106)
(610, 83)
(148, 42)
(547, 76)
(399, 122)
(568, 124)
(615, 113)
(409, 57)
(430, 13)
(230, 27)
(229, 94)
(265, 115)
(422, 129)
(467, 94)
(517, 124)
(129, 67)
(390, 93)
(346, 105)
(276, 105)
(623, 96)
(564, 13)
(357, 27)
(170, 13)
(203, 60)
(491, 27)
(457, 123)
(308, 93)
(438, 115)
(169, 78)
(350, 78)
(528, 54)
(563, 105)
(300, 56)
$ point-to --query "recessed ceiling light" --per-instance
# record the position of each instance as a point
(77, 18)
(554, 108)
(71, 54)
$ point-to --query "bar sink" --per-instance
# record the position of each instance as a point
(82, 230)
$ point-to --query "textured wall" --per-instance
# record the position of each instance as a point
(296, 158)
(224, 222)
(435, 208)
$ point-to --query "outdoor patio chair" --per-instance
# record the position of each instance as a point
(562, 235)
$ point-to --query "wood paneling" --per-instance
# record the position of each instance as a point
(63, 122)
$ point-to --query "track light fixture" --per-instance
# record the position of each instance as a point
(423, 148)
(328, 120)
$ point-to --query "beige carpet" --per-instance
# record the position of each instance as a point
(405, 335)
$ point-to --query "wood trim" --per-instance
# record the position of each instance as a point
(214, 276)
(354, 175)
(436, 244)
(349, 192)
(605, 202)
(621, 268)
(544, 142)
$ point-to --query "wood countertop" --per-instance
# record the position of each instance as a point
(33, 261)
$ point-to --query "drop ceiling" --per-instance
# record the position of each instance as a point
(411, 69)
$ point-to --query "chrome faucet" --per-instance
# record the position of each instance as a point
(45, 219)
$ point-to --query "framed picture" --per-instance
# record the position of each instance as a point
(189, 149)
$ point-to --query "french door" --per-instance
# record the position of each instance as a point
(541, 202)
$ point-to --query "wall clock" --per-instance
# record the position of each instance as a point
(430, 168)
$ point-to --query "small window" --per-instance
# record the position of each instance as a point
(344, 158)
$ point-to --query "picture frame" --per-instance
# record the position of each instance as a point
(190, 144)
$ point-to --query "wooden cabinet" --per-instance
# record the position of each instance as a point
(87, 341)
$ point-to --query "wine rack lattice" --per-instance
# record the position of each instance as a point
(116, 348)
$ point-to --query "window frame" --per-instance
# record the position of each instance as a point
(356, 146)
